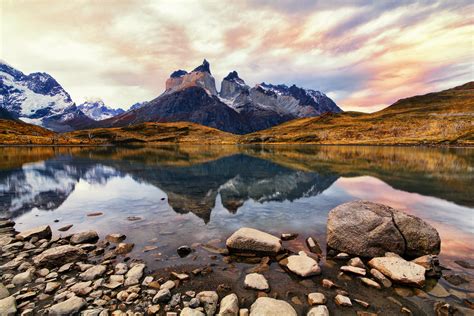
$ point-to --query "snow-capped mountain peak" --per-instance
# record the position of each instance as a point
(97, 110)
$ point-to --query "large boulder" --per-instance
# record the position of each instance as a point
(399, 270)
(8, 306)
(266, 306)
(252, 240)
(370, 229)
(57, 256)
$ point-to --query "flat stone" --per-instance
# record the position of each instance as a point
(115, 238)
(380, 278)
(8, 306)
(266, 306)
(439, 291)
(288, 236)
(68, 307)
(400, 270)
(302, 265)
(180, 276)
(370, 283)
(93, 273)
(252, 240)
(65, 228)
(320, 310)
(58, 256)
(229, 305)
(163, 296)
(355, 270)
(115, 281)
(168, 285)
(316, 299)
(364, 304)
(342, 300)
(5, 240)
(256, 281)
(81, 288)
(134, 275)
(41, 232)
(208, 300)
(95, 214)
(84, 237)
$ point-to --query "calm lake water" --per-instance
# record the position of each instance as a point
(195, 194)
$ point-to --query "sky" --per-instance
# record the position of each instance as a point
(363, 54)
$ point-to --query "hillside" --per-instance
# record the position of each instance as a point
(181, 132)
(444, 117)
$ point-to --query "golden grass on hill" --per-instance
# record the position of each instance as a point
(445, 117)
(161, 133)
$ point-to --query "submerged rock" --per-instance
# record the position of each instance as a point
(369, 229)
(183, 251)
(84, 237)
(400, 270)
(252, 240)
(266, 306)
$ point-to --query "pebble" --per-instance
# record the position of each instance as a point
(316, 299)
(342, 300)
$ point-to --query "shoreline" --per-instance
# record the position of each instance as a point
(84, 278)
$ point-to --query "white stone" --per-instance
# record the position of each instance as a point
(8, 306)
(22, 278)
(248, 239)
(134, 275)
(191, 312)
(68, 307)
(400, 270)
(256, 281)
(229, 305)
(342, 300)
(93, 273)
(320, 310)
(209, 300)
(355, 270)
(266, 306)
(303, 265)
(316, 299)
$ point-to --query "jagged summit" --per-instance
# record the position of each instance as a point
(232, 76)
(204, 67)
(178, 73)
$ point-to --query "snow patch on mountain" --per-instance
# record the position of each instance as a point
(97, 110)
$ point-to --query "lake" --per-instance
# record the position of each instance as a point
(165, 197)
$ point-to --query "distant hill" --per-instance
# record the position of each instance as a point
(181, 132)
(444, 117)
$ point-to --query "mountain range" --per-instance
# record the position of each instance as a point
(189, 96)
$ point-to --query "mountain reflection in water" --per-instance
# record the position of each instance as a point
(272, 187)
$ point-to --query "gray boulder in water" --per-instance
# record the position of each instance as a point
(370, 229)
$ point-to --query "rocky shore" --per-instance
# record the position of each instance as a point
(369, 244)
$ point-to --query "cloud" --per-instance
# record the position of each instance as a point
(365, 55)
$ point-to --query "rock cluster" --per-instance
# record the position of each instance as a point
(80, 274)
